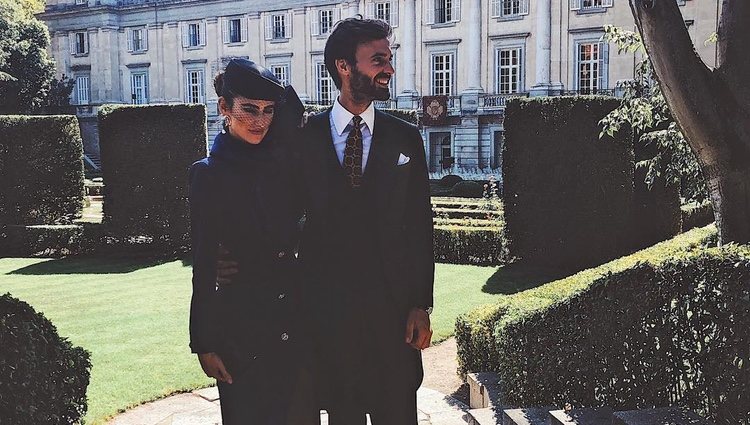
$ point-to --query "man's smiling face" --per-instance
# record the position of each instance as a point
(373, 71)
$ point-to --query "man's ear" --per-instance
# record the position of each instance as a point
(343, 67)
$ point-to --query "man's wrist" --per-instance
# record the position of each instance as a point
(427, 310)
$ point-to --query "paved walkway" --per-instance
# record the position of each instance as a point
(202, 408)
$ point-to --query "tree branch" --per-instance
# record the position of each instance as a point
(687, 83)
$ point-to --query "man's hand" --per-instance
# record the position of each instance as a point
(214, 367)
(418, 332)
(226, 267)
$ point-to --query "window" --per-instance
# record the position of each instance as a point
(193, 34)
(590, 4)
(325, 84)
(278, 26)
(590, 65)
(82, 2)
(443, 11)
(442, 74)
(384, 10)
(509, 8)
(322, 20)
(282, 73)
(441, 152)
(509, 70)
(79, 43)
(82, 90)
(326, 20)
(194, 86)
(235, 30)
(139, 87)
(137, 40)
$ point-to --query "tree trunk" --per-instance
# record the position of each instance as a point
(711, 107)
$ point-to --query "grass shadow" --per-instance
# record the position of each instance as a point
(89, 265)
(520, 276)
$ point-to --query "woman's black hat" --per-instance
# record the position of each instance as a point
(246, 78)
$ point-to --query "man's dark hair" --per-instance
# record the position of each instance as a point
(346, 36)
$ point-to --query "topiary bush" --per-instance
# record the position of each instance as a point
(146, 152)
(696, 215)
(656, 212)
(568, 195)
(41, 170)
(675, 333)
(43, 378)
(467, 189)
(41, 240)
(478, 333)
(450, 180)
(482, 246)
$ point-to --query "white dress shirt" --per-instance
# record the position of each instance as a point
(341, 125)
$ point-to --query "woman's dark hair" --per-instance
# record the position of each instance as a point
(219, 88)
(346, 36)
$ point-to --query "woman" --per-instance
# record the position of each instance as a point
(246, 333)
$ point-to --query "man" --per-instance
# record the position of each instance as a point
(367, 242)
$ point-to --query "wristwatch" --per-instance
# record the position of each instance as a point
(428, 310)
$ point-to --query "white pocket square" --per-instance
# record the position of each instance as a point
(403, 159)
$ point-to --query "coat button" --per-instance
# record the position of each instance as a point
(281, 296)
(284, 336)
(282, 254)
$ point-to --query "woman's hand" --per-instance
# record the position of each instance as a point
(214, 367)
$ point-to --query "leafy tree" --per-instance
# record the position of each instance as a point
(25, 68)
(711, 107)
(645, 111)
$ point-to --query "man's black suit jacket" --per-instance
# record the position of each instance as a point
(402, 197)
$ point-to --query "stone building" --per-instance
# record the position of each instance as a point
(471, 54)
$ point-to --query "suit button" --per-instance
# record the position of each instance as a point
(281, 296)
(284, 336)
(282, 254)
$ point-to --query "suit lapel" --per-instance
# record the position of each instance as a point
(382, 160)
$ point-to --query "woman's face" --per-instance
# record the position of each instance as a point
(249, 119)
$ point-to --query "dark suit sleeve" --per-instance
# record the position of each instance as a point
(419, 221)
(204, 238)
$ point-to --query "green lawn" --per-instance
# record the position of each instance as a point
(133, 318)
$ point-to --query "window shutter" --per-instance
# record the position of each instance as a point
(336, 15)
(394, 13)
(370, 10)
(603, 66)
(72, 40)
(607, 3)
(269, 27)
(202, 33)
(145, 88)
(288, 25)
(185, 35)
(315, 23)
(226, 24)
(456, 11)
(524, 7)
(496, 8)
(575, 4)
(243, 29)
(129, 36)
(145, 38)
(430, 10)
(201, 87)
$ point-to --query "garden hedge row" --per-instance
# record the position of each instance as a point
(479, 332)
(41, 169)
(568, 195)
(697, 215)
(482, 246)
(43, 378)
(656, 212)
(649, 336)
(146, 152)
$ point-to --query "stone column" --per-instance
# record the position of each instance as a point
(543, 48)
(474, 48)
(408, 56)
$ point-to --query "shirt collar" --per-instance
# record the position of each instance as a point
(342, 117)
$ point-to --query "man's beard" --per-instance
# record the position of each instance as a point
(364, 88)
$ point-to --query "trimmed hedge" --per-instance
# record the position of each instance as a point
(43, 378)
(656, 213)
(568, 195)
(450, 180)
(41, 169)
(649, 336)
(697, 215)
(467, 189)
(478, 332)
(146, 152)
(482, 246)
(41, 240)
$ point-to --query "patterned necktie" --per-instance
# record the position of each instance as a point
(353, 154)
